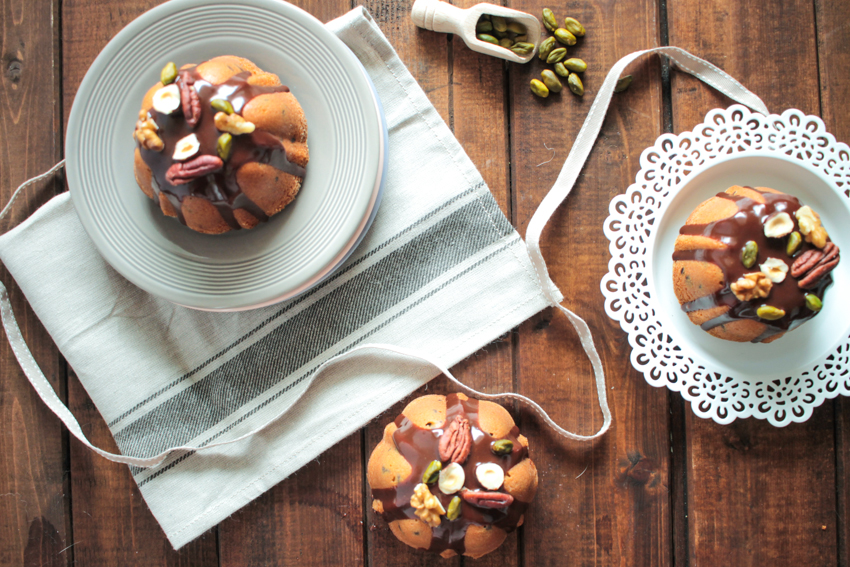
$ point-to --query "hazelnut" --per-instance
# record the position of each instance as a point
(186, 147)
(167, 99)
(778, 225)
(451, 478)
(775, 269)
(490, 475)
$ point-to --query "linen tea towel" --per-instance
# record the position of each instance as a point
(441, 271)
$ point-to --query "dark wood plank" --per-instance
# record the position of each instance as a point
(34, 503)
(605, 502)
(112, 524)
(756, 493)
(834, 67)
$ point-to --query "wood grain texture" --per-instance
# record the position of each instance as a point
(607, 502)
(833, 36)
(34, 519)
(756, 493)
(112, 524)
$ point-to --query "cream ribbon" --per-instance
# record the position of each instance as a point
(563, 185)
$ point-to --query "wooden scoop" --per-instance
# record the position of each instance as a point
(442, 17)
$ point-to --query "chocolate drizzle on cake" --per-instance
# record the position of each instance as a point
(420, 446)
(219, 188)
(745, 225)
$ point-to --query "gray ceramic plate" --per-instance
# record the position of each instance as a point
(240, 269)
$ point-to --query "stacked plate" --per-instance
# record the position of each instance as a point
(243, 269)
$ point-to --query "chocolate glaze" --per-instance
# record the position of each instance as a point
(748, 224)
(420, 446)
(219, 188)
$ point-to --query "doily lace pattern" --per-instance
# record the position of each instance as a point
(634, 216)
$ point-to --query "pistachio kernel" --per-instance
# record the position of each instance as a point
(749, 254)
(516, 27)
(432, 472)
(794, 241)
(556, 55)
(561, 70)
(549, 20)
(575, 84)
(499, 23)
(223, 146)
(453, 512)
(502, 447)
(168, 74)
(538, 88)
(574, 27)
(546, 48)
(221, 105)
(484, 26)
(813, 302)
(564, 36)
(770, 313)
(487, 38)
(623, 83)
(551, 81)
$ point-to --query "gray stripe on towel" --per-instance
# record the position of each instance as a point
(316, 329)
(136, 470)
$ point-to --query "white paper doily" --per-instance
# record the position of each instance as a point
(785, 380)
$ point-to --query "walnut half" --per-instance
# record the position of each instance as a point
(752, 286)
(426, 505)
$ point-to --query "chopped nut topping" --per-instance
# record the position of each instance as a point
(810, 226)
(428, 508)
(233, 124)
(775, 269)
(145, 133)
(752, 286)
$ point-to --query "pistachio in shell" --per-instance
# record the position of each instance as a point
(539, 88)
(551, 81)
(574, 27)
(564, 36)
(575, 84)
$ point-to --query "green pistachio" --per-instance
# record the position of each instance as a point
(575, 65)
(168, 74)
(538, 88)
(484, 26)
(502, 447)
(794, 241)
(574, 27)
(499, 23)
(516, 27)
(546, 48)
(561, 70)
(488, 38)
(453, 511)
(575, 84)
(564, 36)
(221, 105)
(813, 302)
(770, 313)
(556, 55)
(749, 254)
(551, 81)
(522, 48)
(223, 146)
(432, 472)
(623, 83)
(549, 20)
(506, 43)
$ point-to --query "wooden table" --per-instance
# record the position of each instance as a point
(662, 488)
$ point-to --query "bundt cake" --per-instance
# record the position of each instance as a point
(452, 475)
(751, 264)
(221, 145)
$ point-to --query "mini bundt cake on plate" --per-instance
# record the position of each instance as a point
(221, 145)
(751, 264)
(452, 475)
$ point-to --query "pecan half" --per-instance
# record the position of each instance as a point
(190, 102)
(456, 441)
(181, 173)
(813, 265)
(487, 499)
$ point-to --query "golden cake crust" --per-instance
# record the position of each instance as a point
(269, 188)
(387, 468)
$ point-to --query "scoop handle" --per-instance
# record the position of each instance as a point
(438, 16)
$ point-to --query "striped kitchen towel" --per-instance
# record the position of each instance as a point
(441, 271)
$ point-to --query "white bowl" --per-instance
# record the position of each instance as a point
(781, 381)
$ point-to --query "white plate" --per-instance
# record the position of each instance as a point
(784, 380)
(242, 269)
